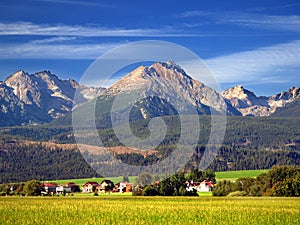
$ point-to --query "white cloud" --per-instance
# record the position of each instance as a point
(252, 20)
(27, 28)
(258, 65)
(193, 13)
(290, 22)
(53, 40)
(44, 50)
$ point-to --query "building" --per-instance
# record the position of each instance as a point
(71, 187)
(49, 188)
(204, 186)
(123, 187)
(105, 185)
(89, 186)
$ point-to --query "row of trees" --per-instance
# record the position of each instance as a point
(280, 181)
(29, 188)
(175, 185)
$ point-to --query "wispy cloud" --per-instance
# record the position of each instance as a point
(53, 40)
(274, 7)
(35, 50)
(194, 13)
(27, 28)
(260, 65)
(251, 20)
(290, 23)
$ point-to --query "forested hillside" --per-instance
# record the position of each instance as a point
(250, 143)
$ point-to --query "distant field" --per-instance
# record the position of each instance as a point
(228, 175)
(149, 210)
(81, 181)
(233, 175)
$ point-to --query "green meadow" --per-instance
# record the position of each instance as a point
(233, 175)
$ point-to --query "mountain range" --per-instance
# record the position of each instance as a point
(39, 98)
(42, 97)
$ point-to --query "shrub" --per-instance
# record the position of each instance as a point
(150, 191)
(32, 188)
(223, 188)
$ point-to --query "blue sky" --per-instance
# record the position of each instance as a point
(253, 43)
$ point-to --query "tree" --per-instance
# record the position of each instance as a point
(174, 185)
(209, 175)
(244, 184)
(198, 176)
(223, 188)
(32, 188)
(150, 190)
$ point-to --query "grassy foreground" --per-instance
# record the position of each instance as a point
(148, 210)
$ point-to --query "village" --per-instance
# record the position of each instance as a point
(107, 186)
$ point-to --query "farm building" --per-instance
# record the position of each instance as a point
(53, 188)
(89, 186)
(71, 187)
(105, 185)
(123, 187)
(49, 188)
(204, 186)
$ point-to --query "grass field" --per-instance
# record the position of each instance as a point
(81, 181)
(149, 210)
(233, 175)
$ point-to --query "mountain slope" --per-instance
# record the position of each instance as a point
(291, 109)
(251, 105)
(38, 98)
(167, 84)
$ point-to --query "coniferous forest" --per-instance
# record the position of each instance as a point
(249, 143)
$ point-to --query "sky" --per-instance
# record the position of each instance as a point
(251, 43)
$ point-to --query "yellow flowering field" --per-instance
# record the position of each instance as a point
(149, 210)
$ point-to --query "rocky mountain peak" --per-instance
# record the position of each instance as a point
(295, 91)
(238, 92)
(158, 73)
(250, 104)
(39, 97)
(169, 81)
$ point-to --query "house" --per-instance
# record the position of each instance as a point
(60, 189)
(89, 186)
(49, 188)
(71, 187)
(105, 185)
(205, 186)
(123, 187)
(54, 188)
